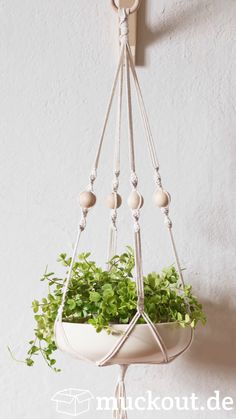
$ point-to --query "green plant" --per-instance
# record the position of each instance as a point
(104, 297)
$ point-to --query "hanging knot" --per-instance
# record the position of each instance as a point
(92, 179)
(136, 227)
(168, 222)
(124, 29)
(93, 175)
(115, 184)
(157, 178)
(136, 214)
(140, 305)
(134, 180)
(113, 219)
(167, 219)
(82, 223)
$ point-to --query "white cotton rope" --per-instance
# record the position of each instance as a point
(81, 228)
(137, 241)
(121, 341)
(138, 256)
(129, 112)
(58, 321)
(118, 124)
(92, 178)
(142, 108)
(139, 270)
(60, 311)
(124, 58)
(120, 63)
(153, 156)
(119, 411)
(176, 256)
(112, 244)
(125, 54)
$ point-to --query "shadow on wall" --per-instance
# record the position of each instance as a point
(178, 21)
(214, 346)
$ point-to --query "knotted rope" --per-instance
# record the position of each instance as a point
(135, 214)
(119, 411)
(153, 156)
(123, 26)
(115, 184)
(125, 57)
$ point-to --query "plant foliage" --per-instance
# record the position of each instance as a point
(106, 297)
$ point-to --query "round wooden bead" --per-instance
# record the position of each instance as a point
(114, 200)
(161, 198)
(135, 200)
(87, 199)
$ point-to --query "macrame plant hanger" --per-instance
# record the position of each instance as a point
(124, 71)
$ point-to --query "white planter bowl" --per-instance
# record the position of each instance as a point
(82, 341)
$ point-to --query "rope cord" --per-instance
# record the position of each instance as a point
(176, 256)
(142, 108)
(135, 213)
(118, 126)
(120, 395)
(154, 160)
(82, 223)
(125, 56)
(139, 270)
(129, 112)
(81, 228)
(112, 244)
(92, 179)
(120, 63)
(134, 179)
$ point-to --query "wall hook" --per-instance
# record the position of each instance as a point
(132, 6)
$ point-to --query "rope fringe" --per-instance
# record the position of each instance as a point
(119, 411)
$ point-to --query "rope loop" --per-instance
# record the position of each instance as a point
(131, 9)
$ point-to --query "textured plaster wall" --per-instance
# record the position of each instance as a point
(57, 64)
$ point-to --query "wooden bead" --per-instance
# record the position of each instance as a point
(87, 199)
(114, 200)
(135, 200)
(161, 198)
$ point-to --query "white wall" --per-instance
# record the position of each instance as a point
(57, 65)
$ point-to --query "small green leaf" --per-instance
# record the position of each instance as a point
(179, 317)
(94, 296)
(29, 362)
(187, 318)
